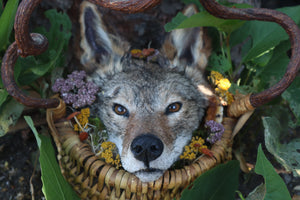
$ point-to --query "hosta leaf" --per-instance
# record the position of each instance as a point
(286, 154)
(54, 185)
(219, 183)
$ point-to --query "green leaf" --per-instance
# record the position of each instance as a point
(204, 19)
(7, 21)
(1, 7)
(286, 154)
(219, 183)
(218, 63)
(176, 21)
(291, 95)
(29, 69)
(275, 187)
(54, 185)
(258, 193)
(264, 35)
(3, 96)
(9, 114)
(276, 67)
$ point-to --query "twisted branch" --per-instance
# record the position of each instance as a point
(28, 45)
(131, 6)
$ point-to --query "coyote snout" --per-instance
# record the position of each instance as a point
(150, 109)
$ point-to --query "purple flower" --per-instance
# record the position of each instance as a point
(215, 130)
(74, 90)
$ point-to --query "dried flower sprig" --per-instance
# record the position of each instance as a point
(75, 91)
(194, 149)
(215, 131)
(222, 86)
(109, 153)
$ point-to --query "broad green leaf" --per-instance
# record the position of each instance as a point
(9, 114)
(275, 187)
(176, 21)
(204, 19)
(1, 7)
(286, 154)
(7, 21)
(54, 185)
(264, 35)
(292, 96)
(275, 69)
(3, 96)
(219, 183)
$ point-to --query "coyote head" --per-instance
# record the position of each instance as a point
(150, 109)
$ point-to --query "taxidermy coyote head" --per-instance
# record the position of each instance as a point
(149, 108)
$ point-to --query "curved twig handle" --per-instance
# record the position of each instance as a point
(129, 6)
(26, 44)
(255, 100)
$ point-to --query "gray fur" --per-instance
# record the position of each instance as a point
(146, 89)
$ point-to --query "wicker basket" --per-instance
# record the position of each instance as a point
(92, 178)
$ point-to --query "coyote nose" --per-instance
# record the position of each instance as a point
(147, 148)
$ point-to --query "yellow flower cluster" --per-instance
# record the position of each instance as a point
(192, 150)
(107, 153)
(223, 85)
(83, 119)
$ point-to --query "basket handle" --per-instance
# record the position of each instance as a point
(26, 44)
(129, 6)
(254, 100)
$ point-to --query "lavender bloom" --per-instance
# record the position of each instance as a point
(216, 131)
(74, 90)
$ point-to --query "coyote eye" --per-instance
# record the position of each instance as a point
(173, 107)
(120, 110)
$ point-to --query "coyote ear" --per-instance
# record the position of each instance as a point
(188, 47)
(99, 47)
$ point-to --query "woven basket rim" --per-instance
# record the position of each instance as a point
(173, 181)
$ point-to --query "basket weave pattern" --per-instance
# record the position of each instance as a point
(93, 179)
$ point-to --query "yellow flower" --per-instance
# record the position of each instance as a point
(108, 149)
(215, 77)
(83, 119)
(224, 84)
(192, 150)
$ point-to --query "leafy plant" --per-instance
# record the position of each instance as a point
(218, 183)
(28, 70)
(54, 184)
(263, 61)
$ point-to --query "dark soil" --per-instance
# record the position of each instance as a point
(18, 151)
